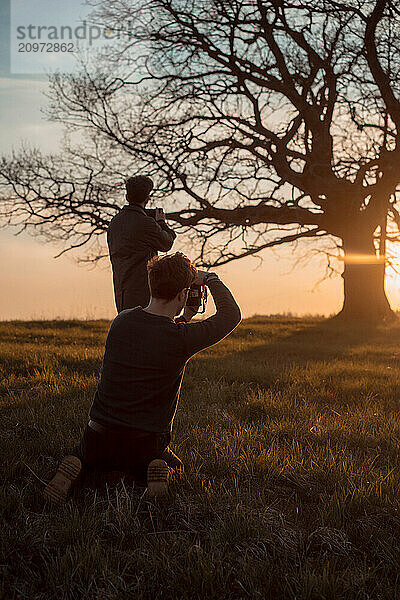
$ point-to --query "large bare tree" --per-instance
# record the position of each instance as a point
(263, 122)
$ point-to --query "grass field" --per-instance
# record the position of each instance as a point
(290, 433)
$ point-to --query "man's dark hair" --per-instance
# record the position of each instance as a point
(169, 275)
(138, 188)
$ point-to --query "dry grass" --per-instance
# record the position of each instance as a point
(290, 433)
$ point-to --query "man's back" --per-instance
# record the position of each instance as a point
(144, 362)
(133, 238)
(142, 368)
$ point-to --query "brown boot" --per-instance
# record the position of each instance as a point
(157, 478)
(68, 472)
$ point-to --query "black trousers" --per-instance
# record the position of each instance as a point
(122, 449)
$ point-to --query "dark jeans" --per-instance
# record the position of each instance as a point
(122, 449)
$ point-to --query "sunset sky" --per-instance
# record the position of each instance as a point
(35, 285)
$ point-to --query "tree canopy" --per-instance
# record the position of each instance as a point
(262, 122)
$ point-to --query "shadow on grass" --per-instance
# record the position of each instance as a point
(313, 342)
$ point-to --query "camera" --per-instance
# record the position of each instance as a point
(197, 297)
(152, 212)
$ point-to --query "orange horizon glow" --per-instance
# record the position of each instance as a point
(363, 259)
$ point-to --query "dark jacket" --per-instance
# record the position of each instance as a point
(145, 358)
(133, 238)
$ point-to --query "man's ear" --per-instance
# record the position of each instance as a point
(182, 296)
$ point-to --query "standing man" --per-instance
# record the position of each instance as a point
(134, 237)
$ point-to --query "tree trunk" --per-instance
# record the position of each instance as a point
(364, 281)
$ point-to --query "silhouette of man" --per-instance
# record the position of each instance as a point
(134, 237)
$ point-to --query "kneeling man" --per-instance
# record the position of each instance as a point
(144, 361)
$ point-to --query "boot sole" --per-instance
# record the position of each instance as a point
(157, 478)
(57, 490)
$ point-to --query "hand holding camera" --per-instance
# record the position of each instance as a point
(201, 277)
(197, 296)
(156, 213)
(159, 214)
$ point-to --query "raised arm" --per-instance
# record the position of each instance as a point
(158, 235)
(202, 334)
